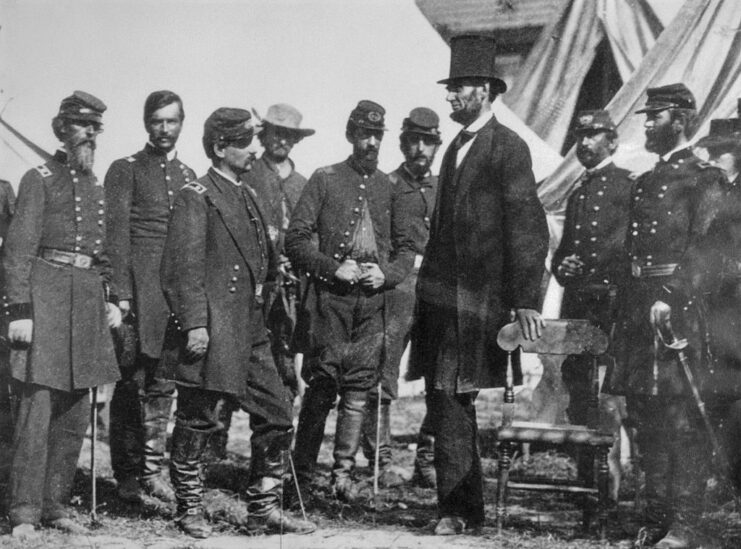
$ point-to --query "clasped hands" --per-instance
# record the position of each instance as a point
(368, 275)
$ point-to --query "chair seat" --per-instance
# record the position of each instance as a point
(526, 431)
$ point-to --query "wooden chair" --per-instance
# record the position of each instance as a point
(559, 337)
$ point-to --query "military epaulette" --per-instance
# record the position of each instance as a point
(130, 159)
(195, 186)
(44, 170)
(329, 170)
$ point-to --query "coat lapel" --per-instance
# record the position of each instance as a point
(235, 224)
(471, 165)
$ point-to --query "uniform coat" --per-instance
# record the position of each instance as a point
(330, 208)
(140, 193)
(62, 209)
(672, 207)
(415, 203)
(485, 256)
(216, 258)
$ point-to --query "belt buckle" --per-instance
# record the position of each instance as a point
(258, 290)
(635, 269)
(81, 261)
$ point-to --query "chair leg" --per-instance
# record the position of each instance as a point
(505, 460)
(603, 487)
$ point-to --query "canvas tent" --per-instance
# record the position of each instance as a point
(18, 153)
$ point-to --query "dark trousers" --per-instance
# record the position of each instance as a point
(49, 430)
(140, 410)
(269, 404)
(457, 460)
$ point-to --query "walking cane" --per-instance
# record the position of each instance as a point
(93, 436)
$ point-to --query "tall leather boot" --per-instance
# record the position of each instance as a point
(269, 465)
(156, 410)
(424, 460)
(656, 467)
(216, 449)
(388, 477)
(350, 416)
(186, 475)
(317, 403)
(126, 439)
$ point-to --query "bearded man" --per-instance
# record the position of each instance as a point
(671, 209)
(484, 260)
(57, 280)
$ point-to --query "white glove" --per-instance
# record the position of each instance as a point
(20, 331)
(113, 314)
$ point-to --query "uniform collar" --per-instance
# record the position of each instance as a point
(355, 165)
(599, 167)
(675, 154)
(227, 177)
(154, 150)
(422, 180)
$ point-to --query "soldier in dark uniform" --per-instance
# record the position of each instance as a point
(57, 276)
(416, 187)
(278, 186)
(363, 251)
(7, 205)
(590, 262)
(140, 192)
(672, 207)
(216, 259)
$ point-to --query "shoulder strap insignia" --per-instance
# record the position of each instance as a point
(44, 170)
(130, 159)
(634, 175)
(329, 170)
(195, 186)
(704, 165)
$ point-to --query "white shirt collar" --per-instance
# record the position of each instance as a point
(227, 177)
(668, 155)
(480, 122)
(170, 155)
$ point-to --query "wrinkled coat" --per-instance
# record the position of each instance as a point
(493, 258)
(329, 209)
(672, 207)
(140, 193)
(63, 209)
(217, 255)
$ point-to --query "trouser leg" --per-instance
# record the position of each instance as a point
(30, 451)
(69, 421)
(317, 402)
(457, 460)
(272, 431)
(424, 460)
(126, 434)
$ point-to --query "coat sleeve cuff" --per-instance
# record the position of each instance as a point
(19, 311)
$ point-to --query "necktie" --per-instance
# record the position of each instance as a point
(462, 138)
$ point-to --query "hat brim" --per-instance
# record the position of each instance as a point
(436, 135)
(501, 85)
(302, 132)
(369, 127)
(712, 141)
(584, 131)
(656, 107)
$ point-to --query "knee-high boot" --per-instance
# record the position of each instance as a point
(350, 416)
(186, 475)
(311, 421)
(156, 411)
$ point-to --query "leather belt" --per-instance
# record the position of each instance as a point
(640, 270)
(81, 261)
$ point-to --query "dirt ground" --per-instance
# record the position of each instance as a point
(403, 517)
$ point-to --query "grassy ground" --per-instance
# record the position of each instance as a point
(402, 518)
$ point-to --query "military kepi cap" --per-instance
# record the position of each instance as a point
(368, 114)
(594, 121)
(723, 131)
(671, 96)
(82, 106)
(226, 125)
(422, 121)
(474, 56)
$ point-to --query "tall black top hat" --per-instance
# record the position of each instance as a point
(473, 56)
(723, 131)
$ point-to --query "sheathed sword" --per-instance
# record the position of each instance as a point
(679, 345)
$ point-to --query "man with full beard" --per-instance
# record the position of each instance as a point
(140, 193)
(672, 207)
(416, 188)
(363, 250)
(57, 278)
(590, 262)
(484, 259)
